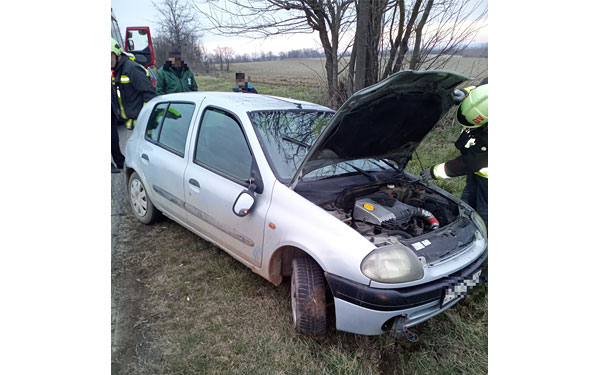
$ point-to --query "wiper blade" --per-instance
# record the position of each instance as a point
(369, 176)
(293, 140)
(390, 164)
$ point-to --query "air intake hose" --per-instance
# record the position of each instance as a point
(426, 215)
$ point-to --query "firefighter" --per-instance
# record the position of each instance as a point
(175, 76)
(472, 115)
(132, 83)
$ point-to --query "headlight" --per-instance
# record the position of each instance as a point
(480, 223)
(392, 264)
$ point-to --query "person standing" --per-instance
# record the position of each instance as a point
(175, 76)
(472, 115)
(131, 83)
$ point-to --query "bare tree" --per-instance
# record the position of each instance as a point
(389, 35)
(219, 57)
(180, 29)
(228, 54)
(331, 19)
(435, 30)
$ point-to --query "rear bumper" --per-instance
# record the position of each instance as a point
(370, 311)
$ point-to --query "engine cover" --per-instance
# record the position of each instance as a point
(380, 207)
(369, 211)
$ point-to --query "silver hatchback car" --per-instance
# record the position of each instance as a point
(291, 188)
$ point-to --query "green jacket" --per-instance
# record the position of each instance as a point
(168, 81)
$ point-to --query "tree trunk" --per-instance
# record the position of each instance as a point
(366, 42)
(351, 74)
(372, 74)
(394, 45)
(418, 33)
(363, 14)
(404, 43)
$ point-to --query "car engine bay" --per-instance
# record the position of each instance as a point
(386, 213)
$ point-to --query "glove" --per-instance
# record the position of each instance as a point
(427, 174)
(459, 95)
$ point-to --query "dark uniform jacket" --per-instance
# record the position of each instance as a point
(134, 85)
(170, 80)
(114, 103)
(473, 147)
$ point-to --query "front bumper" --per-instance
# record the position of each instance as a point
(370, 311)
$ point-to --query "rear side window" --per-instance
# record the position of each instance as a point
(221, 145)
(168, 125)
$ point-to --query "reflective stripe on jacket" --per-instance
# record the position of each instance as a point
(473, 147)
(133, 87)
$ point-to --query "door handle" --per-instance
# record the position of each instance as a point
(145, 157)
(194, 183)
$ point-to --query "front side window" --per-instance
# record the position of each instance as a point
(169, 124)
(221, 145)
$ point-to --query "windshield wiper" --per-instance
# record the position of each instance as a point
(369, 176)
(390, 164)
(293, 140)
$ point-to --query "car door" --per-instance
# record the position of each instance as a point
(162, 155)
(218, 172)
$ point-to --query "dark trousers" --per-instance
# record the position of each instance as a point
(475, 194)
(115, 149)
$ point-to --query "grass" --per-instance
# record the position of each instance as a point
(311, 94)
(311, 71)
(438, 147)
(202, 312)
(207, 313)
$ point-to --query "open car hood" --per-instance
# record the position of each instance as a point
(385, 121)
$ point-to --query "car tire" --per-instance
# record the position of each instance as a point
(308, 297)
(140, 202)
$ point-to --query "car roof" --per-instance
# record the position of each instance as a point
(242, 102)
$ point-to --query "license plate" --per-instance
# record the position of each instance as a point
(460, 290)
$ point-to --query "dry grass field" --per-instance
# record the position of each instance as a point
(183, 306)
(311, 72)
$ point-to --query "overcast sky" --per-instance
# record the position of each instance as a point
(143, 13)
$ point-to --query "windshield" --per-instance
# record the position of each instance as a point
(353, 166)
(287, 135)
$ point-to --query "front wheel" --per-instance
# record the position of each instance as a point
(308, 297)
(141, 205)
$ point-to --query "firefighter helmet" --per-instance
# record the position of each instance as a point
(115, 47)
(473, 111)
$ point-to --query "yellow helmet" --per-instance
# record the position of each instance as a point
(473, 110)
(115, 47)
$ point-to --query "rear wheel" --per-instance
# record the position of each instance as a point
(308, 297)
(141, 205)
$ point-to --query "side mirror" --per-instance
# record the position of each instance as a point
(130, 45)
(243, 204)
